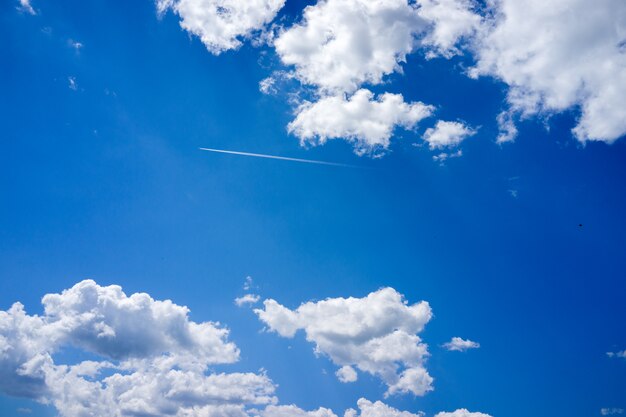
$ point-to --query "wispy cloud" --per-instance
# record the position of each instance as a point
(611, 411)
(27, 7)
(75, 44)
(72, 83)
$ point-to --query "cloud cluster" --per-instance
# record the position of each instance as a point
(221, 24)
(144, 357)
(339, 46)
(460, 345)
(148, 357)
(376, 334)
(365, 121)
(552, 56)
(559, 55)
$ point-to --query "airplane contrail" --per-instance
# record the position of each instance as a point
(282, 158)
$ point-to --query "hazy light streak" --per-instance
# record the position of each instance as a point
(282, 158)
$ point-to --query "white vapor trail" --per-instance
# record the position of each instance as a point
(282, 158)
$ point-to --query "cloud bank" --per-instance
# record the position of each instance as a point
(552, 57)
(148, 357)
(144, 357)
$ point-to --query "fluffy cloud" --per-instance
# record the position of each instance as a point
(155, 358)
(450, 20)
(341, 44)
(461, 413)
(377, 409)
(447, 134)
(361, 119)
(293, 411)
(460, 345)
(346, 374)
(221, 24)
(377, 334)
(557, 55)
(247, 299)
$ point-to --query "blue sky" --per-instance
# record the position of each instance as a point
(516, 245)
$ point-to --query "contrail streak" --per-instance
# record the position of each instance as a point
(282, 158)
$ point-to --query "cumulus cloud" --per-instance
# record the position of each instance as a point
(149, 358)
(377, 409)
(221, 24)
(450, 21)
(365, 121)
(247, 299)
(293, 411)
(376, 334)
(461, 413)
(460, 345)
(341, 44)
(559, 55)
(447, 134)
(346, 374)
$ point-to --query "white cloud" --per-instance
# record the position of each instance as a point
(266, 85)
(450, 20)
(27, 7)
(155, 358)
(558, 55)
(377, 409)
(461, 413)
(447, 134)
(460, 345)
(341, 44)
(377, 334)
(619, 354)
(366, 122)
(247, 299)
(442, 157)
(221, 24)
(611, 411)
(346, 374)
(293, 411)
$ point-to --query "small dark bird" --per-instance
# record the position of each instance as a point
(580, 225)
